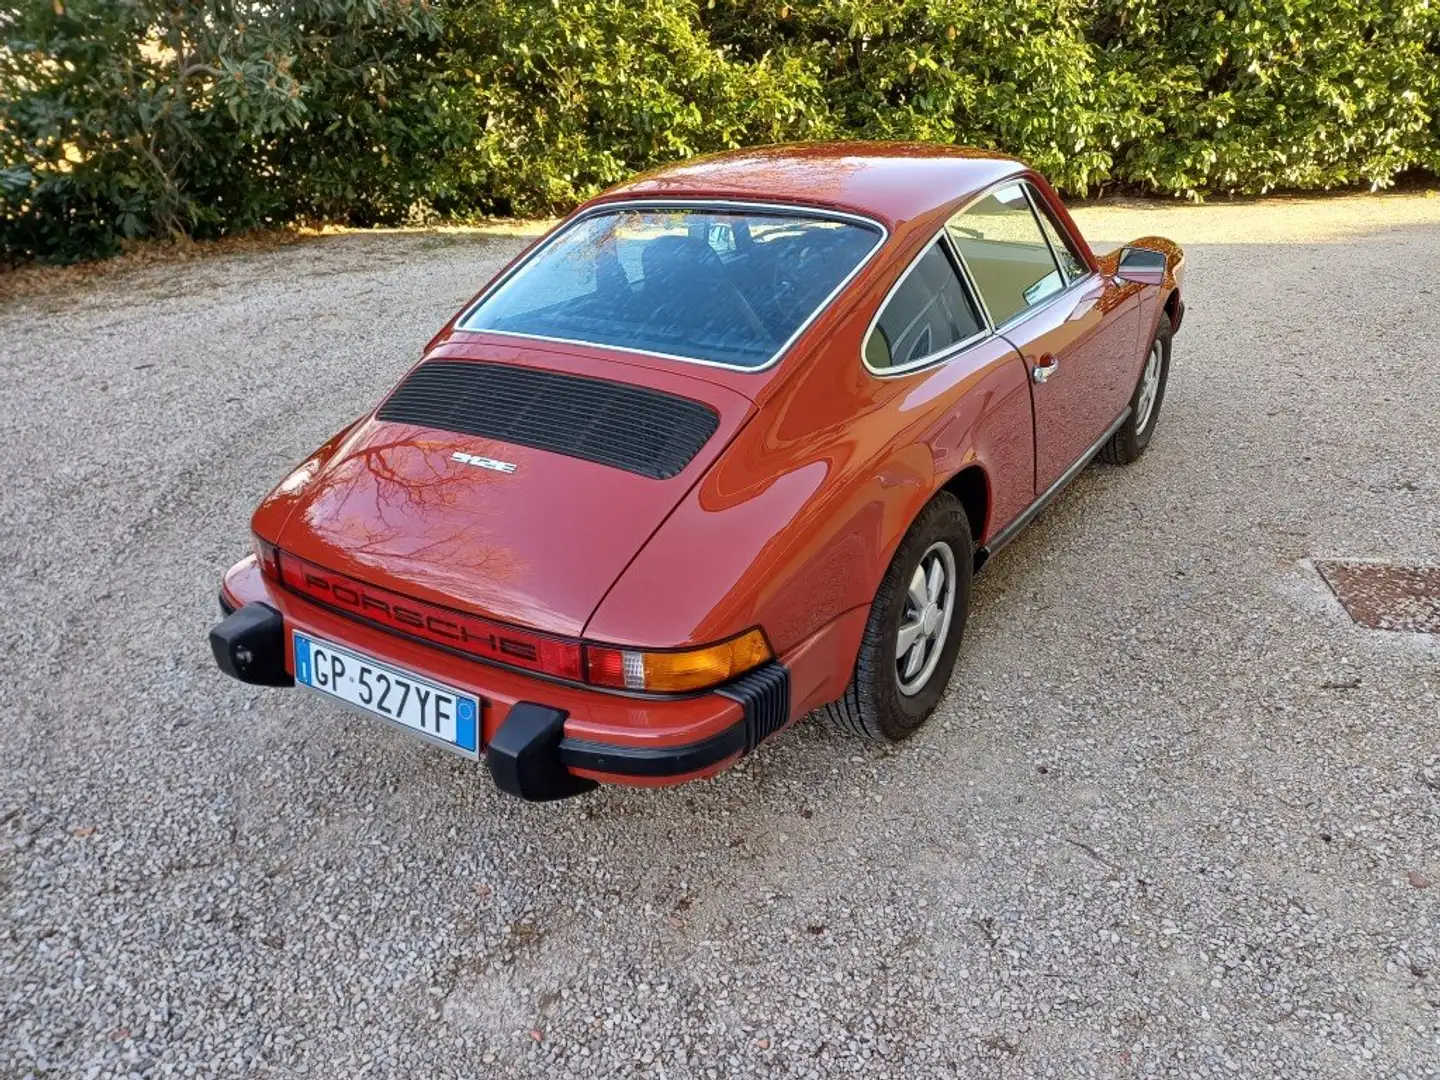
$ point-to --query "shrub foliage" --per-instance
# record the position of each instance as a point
(130, 118)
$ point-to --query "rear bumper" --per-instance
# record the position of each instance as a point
(541, 740)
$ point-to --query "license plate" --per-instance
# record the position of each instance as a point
(436, 711)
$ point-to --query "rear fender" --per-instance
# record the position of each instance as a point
(795, 524)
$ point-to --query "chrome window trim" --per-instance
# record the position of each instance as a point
(1029, 193)
(661, 203)
(940, 355)
(965, 268)
(1029, 308)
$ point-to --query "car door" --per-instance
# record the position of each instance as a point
(1076, 329)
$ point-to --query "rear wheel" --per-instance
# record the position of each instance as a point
(1130, 441)
(913, 634)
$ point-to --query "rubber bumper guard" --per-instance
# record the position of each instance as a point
(249, 645)
(524, 756)
(530, 756)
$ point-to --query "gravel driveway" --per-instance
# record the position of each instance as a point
(1177, 815)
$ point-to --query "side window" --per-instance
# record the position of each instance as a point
(1070, 262)
(1006, 253)
(927, 314)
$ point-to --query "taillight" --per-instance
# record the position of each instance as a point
(678, 671)
(267, 555)
(668, 672)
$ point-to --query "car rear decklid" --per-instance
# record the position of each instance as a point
(511, 482)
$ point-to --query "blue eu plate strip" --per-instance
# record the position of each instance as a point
(467, 715)
(302, 659)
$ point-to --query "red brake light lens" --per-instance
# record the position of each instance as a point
(267, 555)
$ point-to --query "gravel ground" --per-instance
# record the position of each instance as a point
(1177, 816)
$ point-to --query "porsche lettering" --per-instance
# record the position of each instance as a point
(358, 599)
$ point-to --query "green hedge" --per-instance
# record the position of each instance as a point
(204, 117)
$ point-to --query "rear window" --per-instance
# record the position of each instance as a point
(722, 286)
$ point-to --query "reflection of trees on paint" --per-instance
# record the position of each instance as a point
(405, 498)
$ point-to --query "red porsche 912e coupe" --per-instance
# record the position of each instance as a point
(723, 448)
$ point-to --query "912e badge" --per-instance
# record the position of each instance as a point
(482, 462)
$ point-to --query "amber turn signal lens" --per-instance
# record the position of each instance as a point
(676, 672)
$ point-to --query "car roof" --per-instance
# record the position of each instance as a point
(890, 181)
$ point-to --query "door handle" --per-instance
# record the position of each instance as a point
(1046, 366)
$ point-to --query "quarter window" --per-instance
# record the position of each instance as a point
(1006, 253)
(1071, 263)
(928, 313)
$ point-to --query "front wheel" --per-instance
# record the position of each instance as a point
(913, 634)
(1127, 444)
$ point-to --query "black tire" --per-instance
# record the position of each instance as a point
(873, 706)
(1127, 444)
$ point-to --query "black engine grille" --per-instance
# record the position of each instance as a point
(633, 428)
(765, 693)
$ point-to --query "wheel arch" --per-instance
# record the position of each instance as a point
(1174, 308)
(971, 485)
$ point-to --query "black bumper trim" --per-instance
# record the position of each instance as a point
(531, 757)
(765, 695)
(653, 761)
(226, 608)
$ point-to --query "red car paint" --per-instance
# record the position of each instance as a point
(788, 516)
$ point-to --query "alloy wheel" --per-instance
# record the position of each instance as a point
(925, 622)
(1149, 387)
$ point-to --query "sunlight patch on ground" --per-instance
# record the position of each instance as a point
(1272, 220)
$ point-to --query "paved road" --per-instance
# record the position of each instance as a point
(1151, 832)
